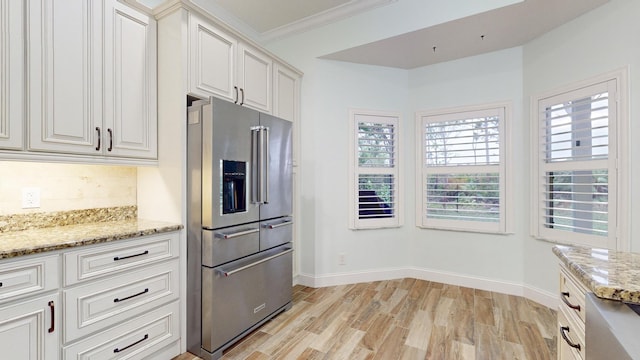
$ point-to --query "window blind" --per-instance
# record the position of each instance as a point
(574, 153)
(463, 170)
(375, 175)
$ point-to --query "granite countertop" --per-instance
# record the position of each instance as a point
(609, 274)
(25, 234)
(32, 241)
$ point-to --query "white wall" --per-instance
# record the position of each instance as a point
(598, 42)
(489, 78)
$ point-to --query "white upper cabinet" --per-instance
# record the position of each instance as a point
(130, 112)
(11, 74)
(222, 66)
(286, 93)
(92, 79)
(65, 88)
(212, 61)
(254, 78)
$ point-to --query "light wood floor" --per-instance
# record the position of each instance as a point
(402, 319)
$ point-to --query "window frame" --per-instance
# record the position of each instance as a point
(618, 165)
(503, 226)
(355, 222)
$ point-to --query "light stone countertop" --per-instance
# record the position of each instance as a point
(32, 241)
(609, 274)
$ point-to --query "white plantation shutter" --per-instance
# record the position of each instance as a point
(463, 169)
(577, 165)
(374, 196)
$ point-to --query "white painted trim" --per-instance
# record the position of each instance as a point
(505, 287)
(350, 8)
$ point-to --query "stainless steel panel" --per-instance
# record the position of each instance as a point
(232, 304)
(276, 232)
(224, 245)
(280, 181)
(226, 135)
(611, 330)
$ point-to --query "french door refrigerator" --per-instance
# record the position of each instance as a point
(239, 231)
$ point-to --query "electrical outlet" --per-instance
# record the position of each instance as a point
(342, 259)
(30, 198)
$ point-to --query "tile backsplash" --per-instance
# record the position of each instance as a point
(65, 187)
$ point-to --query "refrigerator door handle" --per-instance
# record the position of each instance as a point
(236, 234)
(277, 225)
(256, 196)
(245, 267)
(265, 165)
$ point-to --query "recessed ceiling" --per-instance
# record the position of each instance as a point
(493, 30)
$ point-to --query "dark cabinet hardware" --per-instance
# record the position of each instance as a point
(110, 140)
(130, 256)
(131, 296)
(564, 297)
(564, 329)
(116, 350)
(99, 138)
(52, 307)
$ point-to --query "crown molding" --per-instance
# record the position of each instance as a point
(323, 18)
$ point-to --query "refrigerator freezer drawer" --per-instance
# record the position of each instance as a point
(240, 294)
(224, 245)
(275, 232)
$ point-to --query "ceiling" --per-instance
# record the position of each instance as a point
(493, 30)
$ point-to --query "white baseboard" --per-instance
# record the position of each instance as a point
(540, 296)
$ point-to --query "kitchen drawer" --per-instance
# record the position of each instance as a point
(95, 261)
(572, 295)
(104, 303)
(28, 277)
(142, 337)
(570, 335)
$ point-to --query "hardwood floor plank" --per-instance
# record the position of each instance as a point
(377, 332)
(420, 331)
(392, 344)
(402, 319)
(483, 310)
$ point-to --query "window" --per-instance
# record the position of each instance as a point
(576, 152)
(462, 182)
(375, 190)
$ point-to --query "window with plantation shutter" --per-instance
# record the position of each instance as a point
(577, 153)
(375, 176)
(463, 169)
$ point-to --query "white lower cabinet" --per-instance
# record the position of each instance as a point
(147, 336)
(118, 300)
(101, 304)
(29, 308)
(29, 329)
(571, 317)
(122, 300)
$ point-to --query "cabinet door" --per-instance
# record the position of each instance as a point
(130, 111)
(286, 93)
(65, 69)
(11, 74)
(212, 63)
(28, 331)
(254, 78)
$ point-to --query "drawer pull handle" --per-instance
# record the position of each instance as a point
(0, 284)
(131, 296)
(564, 297)
(116, 350)
(275, 226)
(52, 307)
(130, 256)
(564, 336)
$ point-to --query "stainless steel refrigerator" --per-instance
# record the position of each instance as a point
(239, 230)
